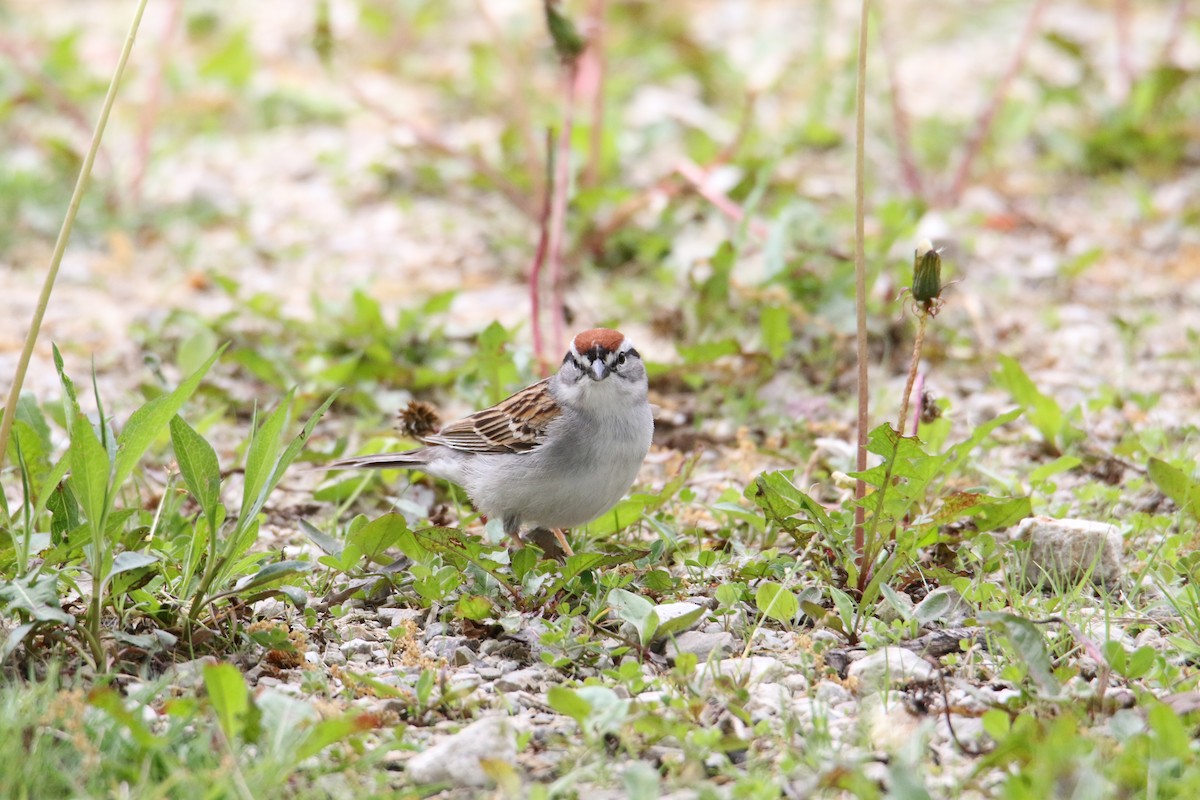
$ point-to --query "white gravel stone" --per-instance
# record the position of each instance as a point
(702, 645)
(1069, 550)
(890, 666)
(754, 669)
(458, 759)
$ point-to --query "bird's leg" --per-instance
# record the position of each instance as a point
(562, 541)
(512, 527)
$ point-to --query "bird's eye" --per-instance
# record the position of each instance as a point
(620, 359)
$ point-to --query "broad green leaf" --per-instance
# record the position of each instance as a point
(37, 596)
(1058, 465)
(268, 574)
(14, 639)
(567, 701)
(331, 731)
(680, 623)
(473, 606)
(785, 505)
(776, 330)
(1029, 643)
(374, 538)
(1043, 411)
(776, 602)
(145, 424)
(90, 471)
(523, 560)
(637, 611)
(286, 721)
(229, 697)
(198, 465)
(1183, 490)
(128, 560)
(327, 543)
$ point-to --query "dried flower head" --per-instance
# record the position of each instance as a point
(419, 419)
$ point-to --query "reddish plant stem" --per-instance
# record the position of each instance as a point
(900, 122)
(558, 209)
(148, 119)
(983, 125)
(539, 261)
(918, 403)
(922, 319)
(698, 178)
(860, 289)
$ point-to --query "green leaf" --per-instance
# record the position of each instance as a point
(90, 471)
(378, 535)
(636, 610)
(37, 596)
(229, 697)
(680, 623)
(474, 607)
(1183, 490)
(522, 561)
(129, 560)
(1029, 643)
(776, 331)
(261, 457)
(708, 352)
(1043, 411)
(198, 465)
(776, 602)
(330, 731)
(567, 701)
(266, 575)
(264, 450)
(14, 639)
(327, 543)
(145, 424)
(782, 503)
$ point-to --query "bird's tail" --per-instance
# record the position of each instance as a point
(406, 460)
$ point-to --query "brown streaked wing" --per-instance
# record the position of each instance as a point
(515, 425)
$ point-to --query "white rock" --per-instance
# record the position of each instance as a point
(768, 700)
(458, 758)
(702, 645)
(889, 724)
(1068, 550)
(831, 693)
(754, 669)
(890, 666)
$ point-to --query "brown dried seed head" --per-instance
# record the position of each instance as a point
(419, 419)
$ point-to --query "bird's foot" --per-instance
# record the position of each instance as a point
(552, 542)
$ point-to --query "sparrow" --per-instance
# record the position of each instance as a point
(556, 454)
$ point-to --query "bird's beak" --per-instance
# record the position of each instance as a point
(598, 370)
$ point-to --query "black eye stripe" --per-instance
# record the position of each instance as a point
(633, 353)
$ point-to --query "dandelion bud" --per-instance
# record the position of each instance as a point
(927, 273)
(568, 43)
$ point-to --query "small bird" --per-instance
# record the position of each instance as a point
(556, 454)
